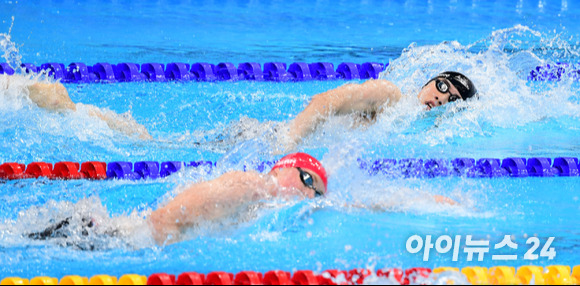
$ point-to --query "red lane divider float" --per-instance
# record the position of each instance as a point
(12, 171)
(190, 278)
(39, 169)
(62, 171)
(248, 278)
(277, 277)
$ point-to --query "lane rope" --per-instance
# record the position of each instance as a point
(425, 168)
(81, 73)
(497, 275)
(157, 72)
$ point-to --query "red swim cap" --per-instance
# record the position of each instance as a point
(303, 160)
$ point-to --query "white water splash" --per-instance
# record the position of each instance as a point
(9, 50)
(499, 72)
(126, 231)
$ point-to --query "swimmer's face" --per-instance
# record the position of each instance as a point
(438, 92)
(290, 178)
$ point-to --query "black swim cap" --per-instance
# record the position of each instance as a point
(460, 82)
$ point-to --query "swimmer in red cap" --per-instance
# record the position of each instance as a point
(310, 171)
(227, 197)
(295, 175)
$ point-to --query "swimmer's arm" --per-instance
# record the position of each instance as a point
(51, 96)
(353, 98)
(383, 207)
(208, 201)
(119, 123)
(55, 97)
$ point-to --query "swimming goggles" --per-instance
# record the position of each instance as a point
(443, 87)
(308, 181)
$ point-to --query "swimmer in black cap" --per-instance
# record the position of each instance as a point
(369, 98)
(446, 87)
(366, 99)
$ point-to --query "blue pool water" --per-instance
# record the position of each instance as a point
(366, 220)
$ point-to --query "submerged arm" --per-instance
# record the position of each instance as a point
(208, 201)
(55, 97)
(378, 205)
(365, 98)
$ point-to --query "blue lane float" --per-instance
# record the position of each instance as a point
(154, 72)
(462, 165)
(227, 71)
(437, 168)
(566, 166)
(349, 71)
(277, 72)
(516, 167)
(30, 68)
(54, 70)
(372, 70)
(203, 72)
(6, 69)
(251, 71)
(555, 72)
(323, 71)
(179, 72)
(104, 72)
(300, 71)
(79, 73)
(402, 168)
(128, 72)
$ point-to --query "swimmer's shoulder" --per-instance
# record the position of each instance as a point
(249, 185)
(382, 91)
(245, 177)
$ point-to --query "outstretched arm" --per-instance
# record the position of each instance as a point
(388, 205)
(208, 201)
(366, 98)
(54, 97)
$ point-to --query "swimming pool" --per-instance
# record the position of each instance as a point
(366, 220)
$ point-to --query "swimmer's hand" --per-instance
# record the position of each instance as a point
(444, 200)
(366, 99)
